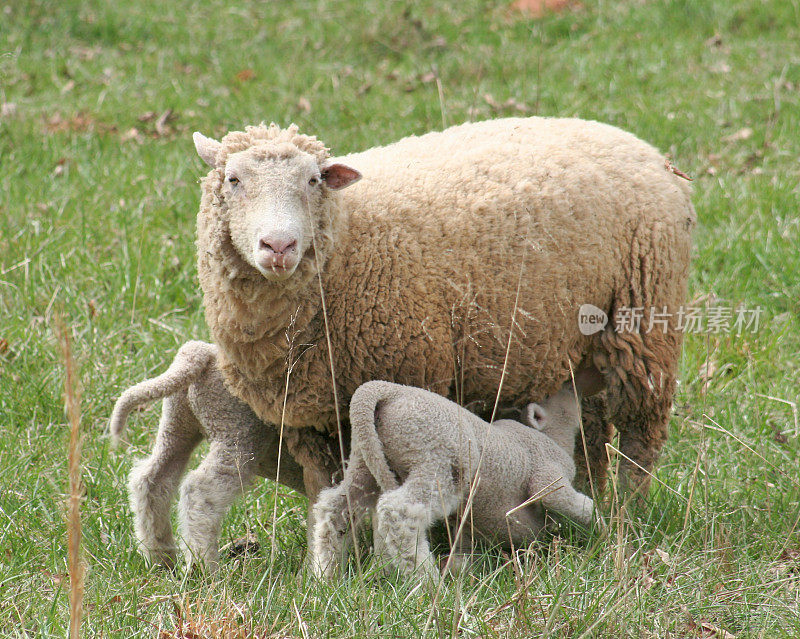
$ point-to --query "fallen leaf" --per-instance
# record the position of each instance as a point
(304, 105)
(742, 134)
(245, 75)
(511, 103)
(56, 577)
(3, 346)
(427, 77)
(8, 109)
(663, 556)
(161, 124)
(540, 8)
(68, 87)
(715, 631)
(131, 134)
(79, 122)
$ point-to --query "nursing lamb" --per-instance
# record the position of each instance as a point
(415, 458)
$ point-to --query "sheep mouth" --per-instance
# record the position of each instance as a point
(277, 272)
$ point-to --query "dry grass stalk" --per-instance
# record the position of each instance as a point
(72, 401)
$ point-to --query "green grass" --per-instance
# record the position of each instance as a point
(97, 224)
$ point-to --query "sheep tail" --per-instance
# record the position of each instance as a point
(191, 360)
(364, 435)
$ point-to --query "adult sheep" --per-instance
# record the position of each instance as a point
(460, 260)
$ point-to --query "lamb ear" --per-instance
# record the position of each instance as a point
(206, 148)
(338, 176)
(535, 416)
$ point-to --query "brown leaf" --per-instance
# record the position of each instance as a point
(79, 123)
(3, 346)
(540, 8)
(161, 124)
(511, 104)
(304, 105)
(710, 630)
(245, 75)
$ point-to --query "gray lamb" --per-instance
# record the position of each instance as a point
(414, 457)
(241, 446)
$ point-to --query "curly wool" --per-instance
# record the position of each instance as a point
(448, 239)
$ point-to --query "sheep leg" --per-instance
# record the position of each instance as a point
(642, 421)
(567, 501)
(405, 514)
(592, 461)
(640, 371)
(334, 512)
(462, 551)
(316, 455)
(206, 496)
(153, 481)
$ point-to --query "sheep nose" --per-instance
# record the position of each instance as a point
(277, 245)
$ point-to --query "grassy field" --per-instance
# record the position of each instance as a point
(97, 202)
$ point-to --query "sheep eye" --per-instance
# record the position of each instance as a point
(313, 181)
(233, 180)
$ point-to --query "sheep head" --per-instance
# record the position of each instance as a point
(275, 187)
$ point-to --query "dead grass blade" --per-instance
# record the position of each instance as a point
(72, 401)
(356, 551)
(794, 411)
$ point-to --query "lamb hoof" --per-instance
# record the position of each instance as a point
(164, 558)
(247, 545)
(455, 563)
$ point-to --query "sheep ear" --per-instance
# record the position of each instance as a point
(535, 416)
(206, 148)
(338, 176)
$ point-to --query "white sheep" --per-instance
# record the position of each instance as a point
(241, 447)
(414, 458)
(460, 258)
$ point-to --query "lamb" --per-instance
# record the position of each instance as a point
(196, 405)
(438, 451)
(458, 263)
